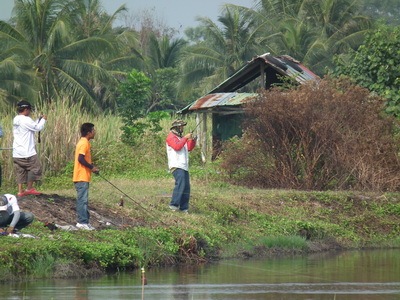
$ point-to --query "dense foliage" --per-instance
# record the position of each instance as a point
(312, 31)
(63, 49)
(133, 108)
(72, 50)
(376, 65)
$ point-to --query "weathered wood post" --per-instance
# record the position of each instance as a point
(202, 134)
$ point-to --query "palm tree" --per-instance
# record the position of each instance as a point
(16, 78)
(165, 52)
(312, 30)
(162, 64)
(90, 21)
(220, 49)
(278, 9)
(68, 60)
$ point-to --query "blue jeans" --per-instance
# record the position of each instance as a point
(181, 193)
(82, 201)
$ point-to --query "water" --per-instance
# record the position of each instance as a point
(354, 275)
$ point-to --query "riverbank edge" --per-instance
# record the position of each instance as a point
(230, 223)
(72, 268)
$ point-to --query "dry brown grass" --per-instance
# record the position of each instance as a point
(323, 135)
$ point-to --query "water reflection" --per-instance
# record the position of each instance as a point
(366, 275)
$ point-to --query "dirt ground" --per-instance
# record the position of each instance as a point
(52, 208)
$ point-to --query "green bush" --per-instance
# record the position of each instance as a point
(375, 65)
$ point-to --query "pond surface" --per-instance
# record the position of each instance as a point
(352, 275)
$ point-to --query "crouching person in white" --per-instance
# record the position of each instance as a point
(11, 217)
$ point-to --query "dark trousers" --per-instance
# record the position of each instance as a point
(25, 219)
(181, 193)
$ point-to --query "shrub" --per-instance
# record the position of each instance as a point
(375, 65)
(323, 135)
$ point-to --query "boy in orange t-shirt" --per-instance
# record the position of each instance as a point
(83, 168)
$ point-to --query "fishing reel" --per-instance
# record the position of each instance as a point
(194, 136)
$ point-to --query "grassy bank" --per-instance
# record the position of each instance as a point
(225, 221)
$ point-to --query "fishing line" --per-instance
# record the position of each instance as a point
(1, 170)
(126, 195)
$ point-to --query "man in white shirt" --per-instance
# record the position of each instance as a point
(27, 165)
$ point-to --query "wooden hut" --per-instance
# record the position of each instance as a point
(224, 103)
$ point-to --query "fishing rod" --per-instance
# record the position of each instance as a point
(126, 195)
(39, 139)
(196, 126)
(195, 137)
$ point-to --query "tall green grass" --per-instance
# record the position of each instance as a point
(59, 137)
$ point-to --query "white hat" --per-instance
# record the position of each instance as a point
(3, 203)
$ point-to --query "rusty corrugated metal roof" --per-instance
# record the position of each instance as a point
(222, 99)
(301, 75)
(225, 94)
(283, 65)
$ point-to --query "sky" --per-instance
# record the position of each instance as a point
(175, 13)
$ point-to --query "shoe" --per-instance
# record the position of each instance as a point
(173, 207)
(32, 192)
(84, 226)
(21, 194)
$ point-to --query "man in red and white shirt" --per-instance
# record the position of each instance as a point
(178, 147)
